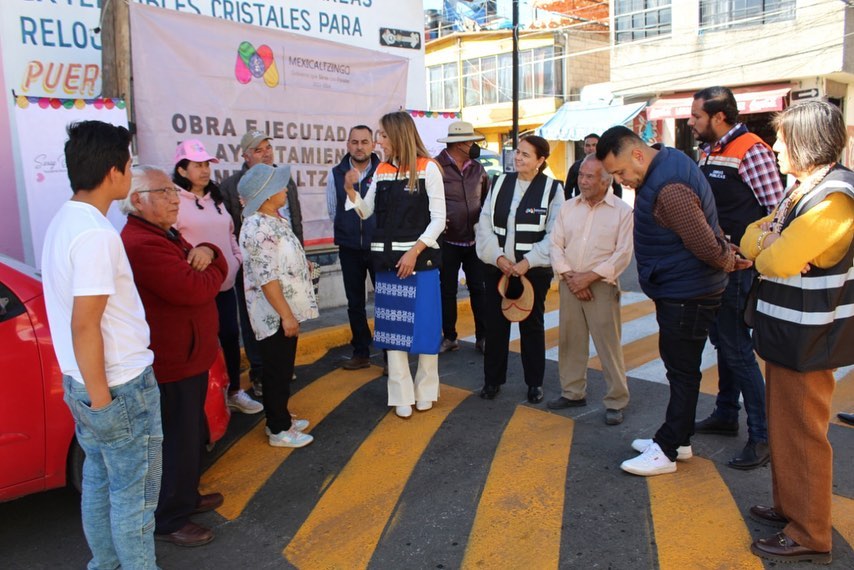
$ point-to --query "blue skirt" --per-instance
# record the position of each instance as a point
(408, 312)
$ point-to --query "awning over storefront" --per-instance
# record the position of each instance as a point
(763, 99)
(576, 119)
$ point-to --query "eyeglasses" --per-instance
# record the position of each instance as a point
(168, 192)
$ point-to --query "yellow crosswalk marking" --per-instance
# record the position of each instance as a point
(697, 523)
(347, 522)
(247, 465)
(843, 517)
(522, 501)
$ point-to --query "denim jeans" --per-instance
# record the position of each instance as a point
(738, 371)
(683, 327)
(356, 265)
(121, 473)
(454, 256)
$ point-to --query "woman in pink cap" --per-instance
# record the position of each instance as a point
(202, 217)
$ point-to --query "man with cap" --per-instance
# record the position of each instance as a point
(167, 271)
(571, 188)
(256, 149)
(466, 185)
(353, 236)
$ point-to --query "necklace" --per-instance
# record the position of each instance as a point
(798, 191)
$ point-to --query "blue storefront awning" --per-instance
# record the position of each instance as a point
(576, 119)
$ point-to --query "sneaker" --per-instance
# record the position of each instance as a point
(289, 438)
(403, 411)
(298, 424)
(423, 406)
(241, 402)
(449, 345)
(650, 462)
(683, 452)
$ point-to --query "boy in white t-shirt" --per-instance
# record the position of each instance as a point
(101, 339)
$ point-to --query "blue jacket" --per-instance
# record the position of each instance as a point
(666, 268)
(349, 229)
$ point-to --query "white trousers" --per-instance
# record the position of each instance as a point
(402, 391)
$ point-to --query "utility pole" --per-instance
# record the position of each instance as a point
(115, 52)
(515, 132)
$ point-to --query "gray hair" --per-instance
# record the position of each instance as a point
(606, 176)
(139, 181)
(814, 133)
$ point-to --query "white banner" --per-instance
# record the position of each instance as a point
(41, 139)
(213, 80)
(433, 125)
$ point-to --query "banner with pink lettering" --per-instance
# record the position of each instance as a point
(213, 80)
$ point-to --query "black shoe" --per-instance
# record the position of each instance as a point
(356, 363)
(716, 426)
(480, 345)
(846, 418)
(535, 394)
(489, 391)
(561, 403)
(754, 454)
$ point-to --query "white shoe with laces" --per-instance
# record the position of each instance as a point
(296, 425)
(241, 401)
(289, 438)
(683, 452)
(650, 462)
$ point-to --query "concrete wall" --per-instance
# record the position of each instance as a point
(811, 45)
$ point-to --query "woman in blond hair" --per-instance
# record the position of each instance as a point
(408, 198)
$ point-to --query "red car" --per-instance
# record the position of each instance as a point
(38, 450)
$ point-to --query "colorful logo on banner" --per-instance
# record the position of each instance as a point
(256, 63)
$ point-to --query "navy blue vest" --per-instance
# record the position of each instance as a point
(666, 268)
(531, 214)
(349, 229)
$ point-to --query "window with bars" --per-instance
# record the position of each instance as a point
(640, 19)
(727, 14)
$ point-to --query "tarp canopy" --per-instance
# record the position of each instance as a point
(763, 99)
(576, 119)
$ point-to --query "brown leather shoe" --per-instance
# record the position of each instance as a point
(191, 534)
(209, 503)
(356, 363)
(781, 548)
(768, 516)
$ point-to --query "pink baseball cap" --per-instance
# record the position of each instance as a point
(194, 151)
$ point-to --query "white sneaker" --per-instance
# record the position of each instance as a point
(403, 411)
(241, 402)
(650, 462)
(683, 452)
(289, 438)
(423, 406)
(296, 425)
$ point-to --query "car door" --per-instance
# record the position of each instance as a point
(22, 415)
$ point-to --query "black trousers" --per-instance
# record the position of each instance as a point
(454, 256)
(356, 265)
(531, 330)
(229, 336)
(278, 353)
(182, 406)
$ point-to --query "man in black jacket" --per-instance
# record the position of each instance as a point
(353, 235)
(570, 188)
(466, 185)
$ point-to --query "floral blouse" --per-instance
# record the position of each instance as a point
(271, 251)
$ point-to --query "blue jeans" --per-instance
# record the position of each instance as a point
(738, 371)
(121, 473)
(683, 327)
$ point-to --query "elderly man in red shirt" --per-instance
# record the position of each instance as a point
(178, 285)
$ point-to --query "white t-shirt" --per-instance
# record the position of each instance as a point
(83, 256)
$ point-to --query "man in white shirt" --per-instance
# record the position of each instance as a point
(101, 339)
(591, 247)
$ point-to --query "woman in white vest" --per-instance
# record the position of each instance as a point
(513, 240)
(803, 325)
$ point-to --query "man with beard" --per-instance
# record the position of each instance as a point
(353, 235)
(742, 171)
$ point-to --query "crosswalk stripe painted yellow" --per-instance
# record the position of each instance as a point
(246, 466)
(843, 517)
(519, 516)
(696, 520)
(347, 522)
